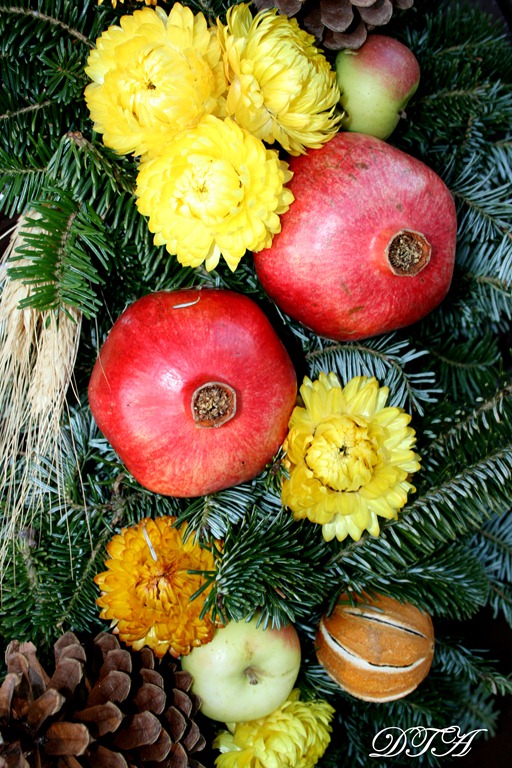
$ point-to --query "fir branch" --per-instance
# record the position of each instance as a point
(455, 504)
(464, 480)
(78, 610)
(385, 357)
(53, 594)
(482, 287)
(449, 433)
(64, 75)
(22, 177)
(23, 110)
(47, 19)
(93, 173)
(262, 569)
(60, 271)
(490, 263)
(243, 279)
(493, 546)
(270, 562)
(215, 514)
(466, 367)
(89, 170)
(462, 50)
(89, 479)
(462, 663)
(460, 30)
(313, 680)
(499, 159)
(18, 618)
(486, 206)
(479, 711)
(451, 582)
(500, 599)
(42, 68)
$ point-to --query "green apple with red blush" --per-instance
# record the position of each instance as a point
(246, 671)
(376, 83)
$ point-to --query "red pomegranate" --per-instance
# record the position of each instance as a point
(368, 245)
(194, 390)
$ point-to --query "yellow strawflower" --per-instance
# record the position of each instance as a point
(154, 76)
(281, 87)
(214, 191)
(294, 736)
(349, 456)
(114, 2)
(147, 588)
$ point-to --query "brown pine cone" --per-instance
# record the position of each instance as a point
(106, 709)
(338, 24)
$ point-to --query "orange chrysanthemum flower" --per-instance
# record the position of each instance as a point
(146, 591)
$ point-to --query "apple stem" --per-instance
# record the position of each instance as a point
(213, 404)
(408, 252)
(253, 680)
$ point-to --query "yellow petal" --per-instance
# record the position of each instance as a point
(147, 588)
(281, 87)
(154, 76)
(349, 456)
(212, 193)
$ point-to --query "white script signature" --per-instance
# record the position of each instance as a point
(417, 740)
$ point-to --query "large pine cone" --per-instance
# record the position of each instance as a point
(105, 709)
(338, 24)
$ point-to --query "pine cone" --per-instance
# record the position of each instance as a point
(106, 709)
(338, 24)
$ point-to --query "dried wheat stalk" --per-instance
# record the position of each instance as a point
(37, 357)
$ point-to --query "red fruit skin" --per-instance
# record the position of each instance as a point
(152, 361)
(392, 63)
(376, 83)
(327, 267)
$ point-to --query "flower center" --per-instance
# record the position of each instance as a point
(157, 587)
(209, 190)
(342, 454)
(163, 583)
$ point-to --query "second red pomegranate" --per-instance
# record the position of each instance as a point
(193, 389)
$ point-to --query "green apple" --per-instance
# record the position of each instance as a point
(245, 672)
(376, 83)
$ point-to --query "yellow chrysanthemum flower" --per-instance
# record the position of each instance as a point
(214, 191)
(294, 736)
(147, 588)
(349, 456)
(114, 2)
(153, 77)
(281, 87)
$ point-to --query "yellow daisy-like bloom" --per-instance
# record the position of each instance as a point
(153, 77)
(282, 88)
(294, 736)
(349, 456)
(214, 191)
(114, 2)
(147, 588)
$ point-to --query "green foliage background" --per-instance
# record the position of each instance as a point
(451, 550)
